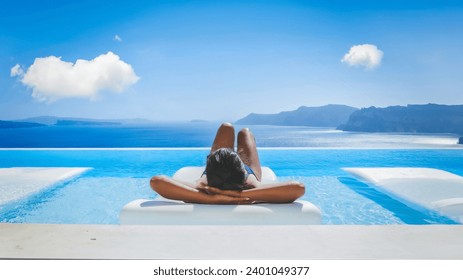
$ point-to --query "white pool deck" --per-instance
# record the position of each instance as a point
(325, 242)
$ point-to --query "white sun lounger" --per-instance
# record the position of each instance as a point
(163, 211)
(419, 188)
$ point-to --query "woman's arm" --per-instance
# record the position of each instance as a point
(173, 189)
(282, 192)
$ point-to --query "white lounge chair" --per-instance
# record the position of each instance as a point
(419, 188)
(163, 211)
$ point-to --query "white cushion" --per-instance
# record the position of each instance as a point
(170, 212)
(161, 211)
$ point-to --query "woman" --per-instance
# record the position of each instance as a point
(230, 177)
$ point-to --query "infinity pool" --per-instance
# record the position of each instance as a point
(118, 176)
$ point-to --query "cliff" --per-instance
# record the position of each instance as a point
(430, 118)
(324, 116)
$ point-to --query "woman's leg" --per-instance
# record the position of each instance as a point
(225, 137)
(247, 151)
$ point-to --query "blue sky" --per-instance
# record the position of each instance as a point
(221, 60)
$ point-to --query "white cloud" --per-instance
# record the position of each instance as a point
(366, 55)
(16, 71)
(52, 79)
(117, 38)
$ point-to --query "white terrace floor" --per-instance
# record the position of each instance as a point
(25, 241)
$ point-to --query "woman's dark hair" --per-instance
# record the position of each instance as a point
(225, 170)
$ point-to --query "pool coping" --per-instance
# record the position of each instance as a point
(324, 242)
(417, 147)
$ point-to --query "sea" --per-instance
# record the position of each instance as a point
(201, 134)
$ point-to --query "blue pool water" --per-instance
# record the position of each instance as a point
(119, 176)
(314, 156)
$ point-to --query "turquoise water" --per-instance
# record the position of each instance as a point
(119, 176)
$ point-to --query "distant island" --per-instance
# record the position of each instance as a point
(15, 124)
(324, 116)
(52, 120)
(429, 118)
(198, 121)
(63, 121)
(77, 122)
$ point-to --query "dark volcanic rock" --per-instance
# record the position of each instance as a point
(430, 118)
(324, 116)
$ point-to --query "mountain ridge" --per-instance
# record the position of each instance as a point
(331, 115)
(54, 120)
(427, 118)
(67, 121)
